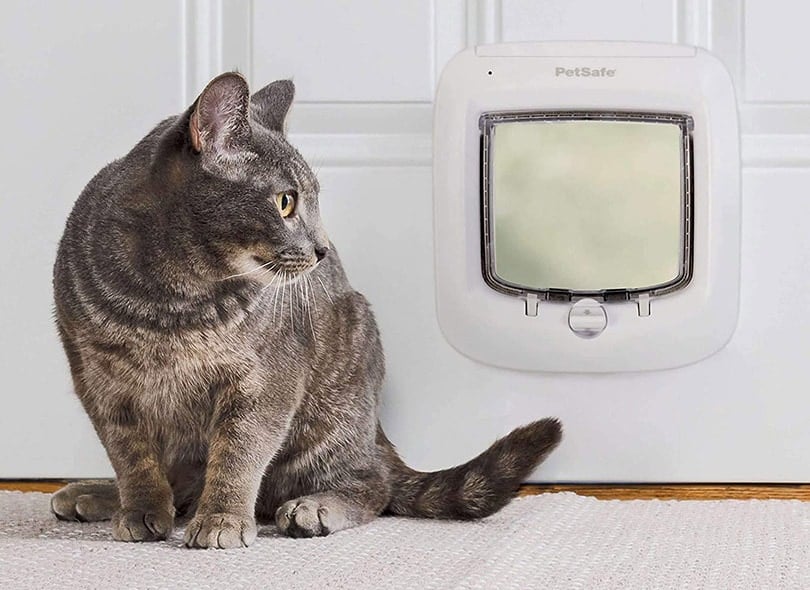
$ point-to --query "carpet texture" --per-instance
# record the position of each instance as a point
(551, 541)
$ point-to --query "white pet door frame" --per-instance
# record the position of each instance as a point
(583, 222)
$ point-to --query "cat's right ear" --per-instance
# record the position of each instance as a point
(271, 104)
(219, 119)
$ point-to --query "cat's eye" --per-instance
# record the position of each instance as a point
(285, 202)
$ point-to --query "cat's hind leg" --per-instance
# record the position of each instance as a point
(320, 514)
(86, 501)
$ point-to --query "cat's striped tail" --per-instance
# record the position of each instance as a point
(479, 487)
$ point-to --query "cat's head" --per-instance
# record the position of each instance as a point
(247, 197)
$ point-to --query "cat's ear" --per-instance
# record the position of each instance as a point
(269, 106)
(219, 120)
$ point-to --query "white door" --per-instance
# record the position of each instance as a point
(80, 82)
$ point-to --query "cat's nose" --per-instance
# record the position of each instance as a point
(320, 252)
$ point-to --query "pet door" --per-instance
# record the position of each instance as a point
(586, 205)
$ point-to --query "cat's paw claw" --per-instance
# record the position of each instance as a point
(220, 531)
(138, 525)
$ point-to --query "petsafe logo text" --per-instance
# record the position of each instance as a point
(584, 72)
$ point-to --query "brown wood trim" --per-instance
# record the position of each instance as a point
(602, 492)
(678, 491)
(32, 485)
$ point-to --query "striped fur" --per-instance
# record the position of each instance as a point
(479, 487)
(227, 365)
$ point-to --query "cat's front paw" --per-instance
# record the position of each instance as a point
(85, 501)
(220, 531)
(304, 517)
(142, 525)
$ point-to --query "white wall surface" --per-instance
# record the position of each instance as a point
(81, 83)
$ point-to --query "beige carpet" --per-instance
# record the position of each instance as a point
(552, 541)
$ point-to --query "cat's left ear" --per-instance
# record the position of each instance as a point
(219, 122)
(270, 105)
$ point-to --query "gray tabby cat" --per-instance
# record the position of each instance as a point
(226, 363)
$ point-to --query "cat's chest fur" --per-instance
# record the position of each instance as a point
(180, 365)
(171, 381)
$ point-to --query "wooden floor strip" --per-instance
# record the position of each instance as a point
(679, 491)
(602, 492)
(32, 485)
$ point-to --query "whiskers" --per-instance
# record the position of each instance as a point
(307, 292)
(295, 291)
(289, 288)
(326, 292)
(267, 267)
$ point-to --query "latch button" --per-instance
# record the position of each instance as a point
(587, 318)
